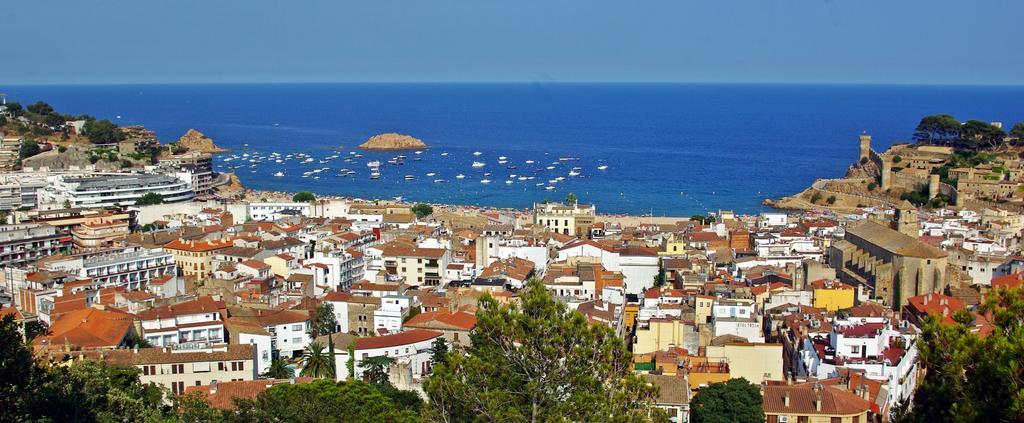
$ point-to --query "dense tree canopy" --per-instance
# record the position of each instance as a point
(317, 361)
(29, 148)
(323, 401)
(422, 210)
(149, 199)
(937, 129)
(736, 400)
(304, 197)
(539, 362)
(102, 132)
(323, 321)
(969, 378)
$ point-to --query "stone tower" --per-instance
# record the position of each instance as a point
(886, 174)
(905, 219)
(865, 147)
(933, 186)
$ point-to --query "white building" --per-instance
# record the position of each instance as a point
(410, 349)
(197, 322)
(132, 268)
(104, 190)
(275, 211)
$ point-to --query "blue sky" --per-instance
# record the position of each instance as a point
(846, 41)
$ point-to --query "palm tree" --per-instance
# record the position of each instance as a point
(375, 369)
(279, 370)
(316, 362)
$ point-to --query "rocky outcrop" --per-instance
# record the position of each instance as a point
(392, 141)
(194, 140)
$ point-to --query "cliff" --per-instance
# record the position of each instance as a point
(194, 140)
(392, 141)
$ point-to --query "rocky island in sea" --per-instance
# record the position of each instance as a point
(196, 141)
(393, 141)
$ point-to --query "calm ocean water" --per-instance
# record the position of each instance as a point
(671, 149)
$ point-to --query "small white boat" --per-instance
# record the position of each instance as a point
(409, 177)
(550, 168)
(478, 164)
(279, 174)
(502, 161)
(431, 174)
(477, 153)
(485, 181)
(419, 152)
(508, 182)
(574, 172)
(529, 162)
(373, 163)
(523, 178)
(438, 181)
(602, 167)
(460, 176)
(375, 175)
(549, 188)
(445, 153)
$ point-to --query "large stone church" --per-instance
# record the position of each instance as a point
(888, 262)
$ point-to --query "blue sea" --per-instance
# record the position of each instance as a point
(670, 149)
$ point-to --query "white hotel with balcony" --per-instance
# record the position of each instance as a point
(103, 190)
(132, 268)
(197, 322)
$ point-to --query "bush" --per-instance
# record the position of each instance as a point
(872, 186)
(831, 199)
(863, 160)
(149, 198)
(93, 159)
(815, 197)
(62, 149)
(897, 159)
(126, 164)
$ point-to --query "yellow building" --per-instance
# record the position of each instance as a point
(833, 295)
(281, 264)
(671, 246)
(702, 307)
(195, 258)
(662, 334)
(754, 361)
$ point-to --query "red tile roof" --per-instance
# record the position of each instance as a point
(442, 319)
(398, 339)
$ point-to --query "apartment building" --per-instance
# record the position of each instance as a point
(193, 322)
(132, 268)
(22, 245)
(99, 231)
(417, 266)
(572, 219)
(195, 258)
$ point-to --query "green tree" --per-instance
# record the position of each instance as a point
(1017, 132)
(570, 198)
(937, 129)
(815, 197)
(102, 132)
(981, 134)
(279, 370)
(14, 108)
(439, 351)
(350, 364)
(968, 378)
(21, 377)
(316, 362)
(304, 197)
(40, 108)
(323, 401)
(97, 391)
(194, 408)
(735, 400)
(422, 210)
(149, 198)
(376, 369)
(29, 148)
(323, 322)
(539, 361)
(662, 277)
(703, 220)
(831, 200)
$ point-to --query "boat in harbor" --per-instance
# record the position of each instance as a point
(485, 181)
(279, 174)
(602, 167)
(575, 171)
(478, 164)
(460, 176)
(477, 153)
(373, 163)
(375, 175)
(409, 177)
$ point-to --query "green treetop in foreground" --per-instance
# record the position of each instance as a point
(736, 400)
(539, 362)
(968, 378)
(304, 197)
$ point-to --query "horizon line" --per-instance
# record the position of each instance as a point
(526, 82)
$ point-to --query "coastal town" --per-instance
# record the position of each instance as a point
(119, 249)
